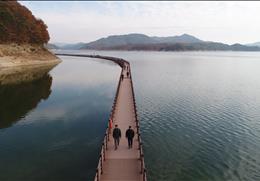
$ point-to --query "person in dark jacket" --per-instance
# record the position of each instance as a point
(116, 136)
(129, 134)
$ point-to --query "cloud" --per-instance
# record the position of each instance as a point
(228, 22)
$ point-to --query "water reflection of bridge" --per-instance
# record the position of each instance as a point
(121, 164)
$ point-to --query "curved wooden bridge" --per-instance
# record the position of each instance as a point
(122, 164)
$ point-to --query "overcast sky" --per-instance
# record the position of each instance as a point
(227, 22)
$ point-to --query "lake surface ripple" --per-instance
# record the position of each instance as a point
(199, 113)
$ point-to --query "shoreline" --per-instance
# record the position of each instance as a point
(9, 64)
(23, 63)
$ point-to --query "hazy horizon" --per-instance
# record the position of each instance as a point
(74, 22)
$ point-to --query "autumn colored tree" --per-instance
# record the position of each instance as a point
(19, 25)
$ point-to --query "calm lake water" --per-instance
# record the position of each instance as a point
(199, 113)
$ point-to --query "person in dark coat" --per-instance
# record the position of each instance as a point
(122, 76)
(116, 136)
(129, 134)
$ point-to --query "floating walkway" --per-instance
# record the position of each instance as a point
(122, 164)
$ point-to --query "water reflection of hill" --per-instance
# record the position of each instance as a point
(18, 99)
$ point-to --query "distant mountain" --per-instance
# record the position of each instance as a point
(203, 46)
(75, 46)
(65, 46)
(120, 40)
(254, 44)
(51, 46)
(239, 47)
(59, 44)
(136, 41)
(185, 38)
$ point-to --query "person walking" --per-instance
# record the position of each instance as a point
(129, 134)
(116, 136)
(110, 125)
(122, 77)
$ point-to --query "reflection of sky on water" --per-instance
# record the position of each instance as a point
(84, 74)
(59, 139)
(202, 109)
(204, 112)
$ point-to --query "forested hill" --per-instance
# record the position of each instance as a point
(19, 25)
(137, 41)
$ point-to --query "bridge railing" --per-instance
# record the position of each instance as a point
(104, 148)
(141, 153)
(102, 157)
